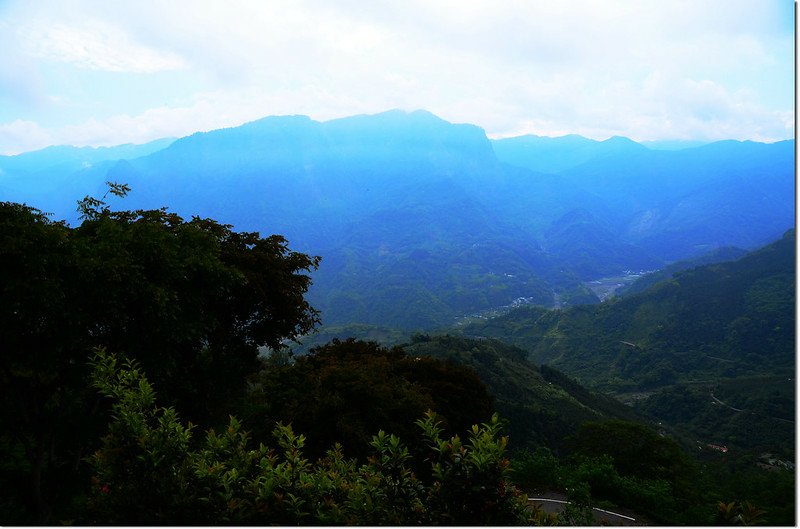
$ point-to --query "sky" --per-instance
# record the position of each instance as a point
(104, 73)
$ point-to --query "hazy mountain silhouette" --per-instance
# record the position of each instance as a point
(420, 220)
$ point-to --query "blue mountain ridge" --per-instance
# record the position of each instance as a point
(420, 221)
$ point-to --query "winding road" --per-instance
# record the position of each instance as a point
(553, 502)
(747, 411)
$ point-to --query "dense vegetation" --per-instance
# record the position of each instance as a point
(708, 354)
(754, 414)
(724, 320)
(542, 406)
(345, 391)
(718, 255)
(617, 464)
(193, 302)
(190, 300)
(151, 470)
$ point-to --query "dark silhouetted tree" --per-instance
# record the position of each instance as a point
(346, 391)
(191, 300)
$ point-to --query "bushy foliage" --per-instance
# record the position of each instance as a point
(744, 513)
(765, 425)
(741, 482)
(536, 471)
(635, 450)
(620, 464)
(652, 471)
(152, 470)
(345, 390)
(191, 300)
(654, 496)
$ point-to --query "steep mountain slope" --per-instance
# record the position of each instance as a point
(542, 405)
(426, 262)
(718, 255)
(390, 201)
(709, 352)
(589, 246)
(305, 179)
(753, 413)
(724, 320)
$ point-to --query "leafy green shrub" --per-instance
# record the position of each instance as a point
(191, 300)
(151, 470)
(347, 389)
(651, 496)
(535, 471)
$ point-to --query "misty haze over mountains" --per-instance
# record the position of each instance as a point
(420, 221)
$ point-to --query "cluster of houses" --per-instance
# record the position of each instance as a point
(769, 462)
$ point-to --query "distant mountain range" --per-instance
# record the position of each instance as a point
(553, 155)
(420, 221)
(54, 178)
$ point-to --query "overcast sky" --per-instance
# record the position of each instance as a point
(103, 73)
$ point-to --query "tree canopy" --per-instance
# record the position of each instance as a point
(191, 300)
(347, 390)
(153, 469)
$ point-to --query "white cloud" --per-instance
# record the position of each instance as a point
(19, 79)
(647, 69)
(207, 112)
(21, 136)
(98, 46)
(658, 107)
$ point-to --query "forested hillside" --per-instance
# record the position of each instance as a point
(712, 348)
(718, 255)
(708, 353)
(543, 406)
(201, 347)
(723, 320)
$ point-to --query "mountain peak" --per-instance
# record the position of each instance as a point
(416, 133)
(393, 118)
(620, 141)
(275, 121)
